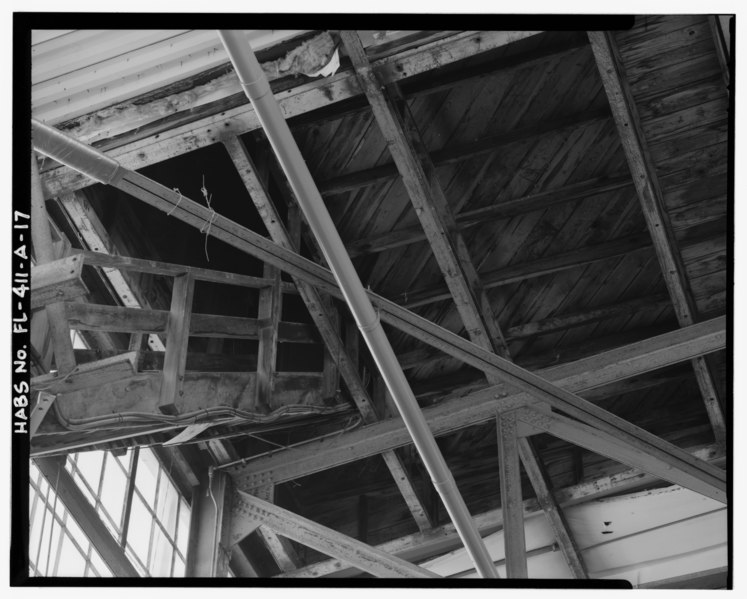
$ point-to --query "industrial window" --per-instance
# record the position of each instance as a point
(135, 499)
(57, 545)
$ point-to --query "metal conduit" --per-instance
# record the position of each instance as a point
(257, 89)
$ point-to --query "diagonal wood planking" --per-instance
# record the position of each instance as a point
(646, 181)
(439, 224)
(327, 329)
(191, 212)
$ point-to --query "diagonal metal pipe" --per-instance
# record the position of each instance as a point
(257, 89)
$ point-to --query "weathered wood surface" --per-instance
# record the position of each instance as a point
(418, 546)
(89, 317)
(643, 169)
(57, 281)
(481, 405)
(167, 142)
(139, 393)
(92, 374)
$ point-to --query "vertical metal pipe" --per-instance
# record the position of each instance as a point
(257, 89)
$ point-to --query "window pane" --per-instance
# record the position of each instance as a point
(178, 567)
(89, 464)
(71, 563)
(47, 550)
(147, 473)
(113, 491)
(80, 481)
(138, 533)
(135, 561)
(183, 536)
(168, 500)
(161, 555)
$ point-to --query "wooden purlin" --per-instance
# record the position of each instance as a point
(165, 143)
(315, 304)
(647, 185)
(242, 238)
(420, 546)
(439, 224)
(482, 405)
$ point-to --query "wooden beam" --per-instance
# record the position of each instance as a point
(643, 171)
(326, 540)
(94, 235)
(97, 317)
(57, 281)
(515, 273)
(631, 454)
(430, 204)
(511, 505)
(157, 267)
(432, 208)
(498, 210)
(169, 141)
(482, 405)
(454, 154)
(41, 239)
(268, 318)
(541, 482)
(85, 516)
(177, 338)
(327, 328)
(420, 546)
(161, 197)
(92, 374)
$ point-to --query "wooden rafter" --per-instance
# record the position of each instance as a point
(647, 185)
(496, 211)
(268, 321)
(323, 91)
(439, 224)
(189, 211)
(511, 505)
(314, 303)
(326, 540)
(481, 406)
(420, 546)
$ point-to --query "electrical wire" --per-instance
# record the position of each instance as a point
(215, 415)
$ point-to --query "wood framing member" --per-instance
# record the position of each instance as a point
(165, 268)
(541, 483)
(511, 505)
(463, 152)
(481, 406)
(330, 334)
(268, 319)
(429, 202)
(500, 210)
(57, 281)
(97, 317)
(626, 453)
(41, 238)
(242, 238)
(437, 219)
(164, 144)
(646, 181)
(85, 515)
(304, 531)
(177, 338)
(419, 546)
(91, 374)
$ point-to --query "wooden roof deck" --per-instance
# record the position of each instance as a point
(532, 167)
